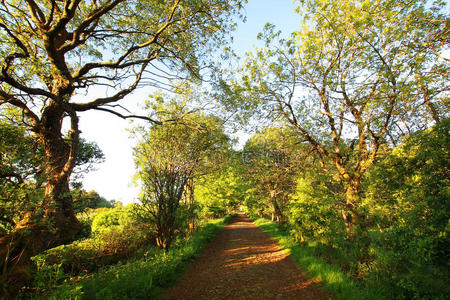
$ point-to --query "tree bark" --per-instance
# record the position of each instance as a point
(352, 218)
(60, 161)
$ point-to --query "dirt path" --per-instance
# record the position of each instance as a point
(243, 262)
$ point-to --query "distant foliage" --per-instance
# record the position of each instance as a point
(271, 160)
(220, 193)
(119, 217)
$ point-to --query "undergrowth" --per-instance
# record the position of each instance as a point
(332, 277)
(144, 278)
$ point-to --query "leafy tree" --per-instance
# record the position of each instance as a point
(83, 200)
(357, 74)
(20, 176)
(168, 158)
(313, 210)
(54, 52)
(272, 158)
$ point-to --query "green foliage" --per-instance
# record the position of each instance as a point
(314, 208)
(144, 278)
(47, 275)
(408, 197)
(108, 219)
(20, 178)
(272, 158)
(221, 193)
(84, 200)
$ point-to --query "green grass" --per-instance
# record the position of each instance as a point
(332, 278)
(145, 278)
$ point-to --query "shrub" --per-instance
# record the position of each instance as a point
(314, 211)
(107, 219)
(116, 237)
(408, 197)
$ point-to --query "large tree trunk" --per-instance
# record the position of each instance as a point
(56, 222)
(60, 161)
(60, 155)
(352, 218)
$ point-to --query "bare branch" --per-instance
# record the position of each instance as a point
(128, 116)
(118, 63)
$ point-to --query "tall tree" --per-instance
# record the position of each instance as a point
(54, 52)
(357, 74)
(168, 158)
(272, 158)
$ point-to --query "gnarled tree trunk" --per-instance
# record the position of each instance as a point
(60, 156)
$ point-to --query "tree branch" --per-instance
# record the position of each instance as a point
(116, 64)
(7, 98)
(128, 116)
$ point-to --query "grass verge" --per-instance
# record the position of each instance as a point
(145, 278)
(332, 278)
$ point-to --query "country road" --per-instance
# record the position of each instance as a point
(243, 262)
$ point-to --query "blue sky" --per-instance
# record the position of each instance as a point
(112, 179)
(259, 12)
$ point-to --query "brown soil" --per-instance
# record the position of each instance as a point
(243, 262)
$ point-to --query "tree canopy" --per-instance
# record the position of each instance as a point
(356, 76)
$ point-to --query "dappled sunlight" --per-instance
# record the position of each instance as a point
(243, 262)
(300, 285)
(256, 259)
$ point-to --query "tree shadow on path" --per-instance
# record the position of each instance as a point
(243, 262)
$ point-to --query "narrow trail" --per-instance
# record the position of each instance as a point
(243, 262)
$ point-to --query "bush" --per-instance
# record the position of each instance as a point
(115, 237)
(314, 211)
(408, 198)
(110, 218)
